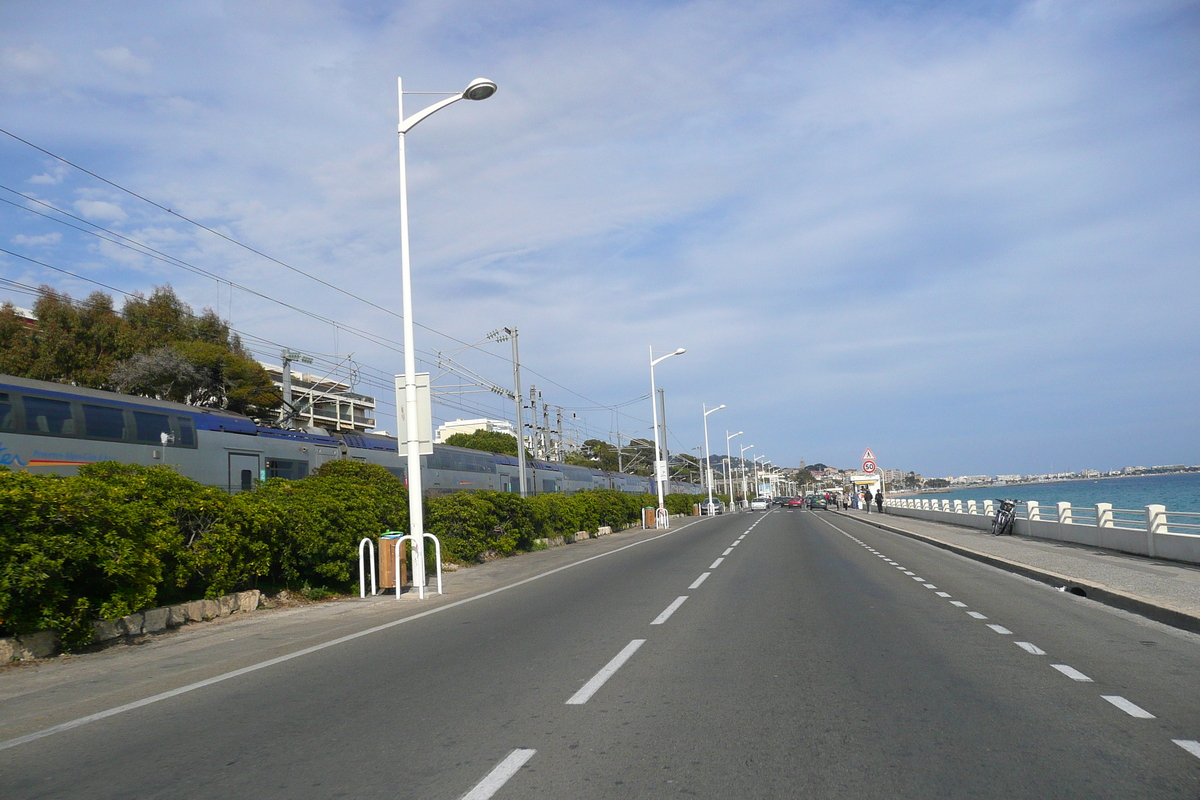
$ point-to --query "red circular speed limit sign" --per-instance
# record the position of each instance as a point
(868, 466)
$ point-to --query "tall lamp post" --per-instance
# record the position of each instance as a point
(729, 465)
(707, 452)
(756, 479)
(478, 89)
(742, 464)
(661, 518)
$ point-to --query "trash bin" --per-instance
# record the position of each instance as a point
(649, 517)
(387, 561)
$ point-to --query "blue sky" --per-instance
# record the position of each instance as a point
(962, 234)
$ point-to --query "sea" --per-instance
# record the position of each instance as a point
(1179, 492)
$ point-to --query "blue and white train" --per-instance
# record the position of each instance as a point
(52, 428)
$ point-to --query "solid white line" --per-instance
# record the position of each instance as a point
(669, 610)
(976, 615)
(1128, 707)
(599, 679)
(1001, 630)
(958, 603)
(1072, 673)
(943, 594)
(500, 775)
(700, 580)
(1031, 648)
(728, 550)
(145, 701)
(716, 563)
(1190, 745)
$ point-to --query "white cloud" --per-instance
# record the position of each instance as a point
(32, 59)
(122, 60)
(49, 238)
(100, 210)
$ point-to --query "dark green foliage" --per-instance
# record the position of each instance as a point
(682, 503)
(491, 441)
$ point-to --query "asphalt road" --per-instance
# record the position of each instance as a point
(813, 657)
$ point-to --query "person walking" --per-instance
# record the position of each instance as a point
(879, 499)
(867, 497)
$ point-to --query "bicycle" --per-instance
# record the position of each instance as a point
(1005, 517)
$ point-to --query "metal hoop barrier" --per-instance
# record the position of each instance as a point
(437, 550)
(362, 576)
(662, 519)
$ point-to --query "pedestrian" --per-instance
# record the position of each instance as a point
(879, 499)
(867, 497)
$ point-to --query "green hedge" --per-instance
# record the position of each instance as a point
(119, 538)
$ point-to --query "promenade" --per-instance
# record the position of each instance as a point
(1165, 591)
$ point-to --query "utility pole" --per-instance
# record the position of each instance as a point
(666, 449)
(499, 335)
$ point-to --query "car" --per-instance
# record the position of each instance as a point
(795, 502)
(817, 501)
(779, 501)
(760, 504)
(708, 509)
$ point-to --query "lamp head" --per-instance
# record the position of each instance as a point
(718, 408)
(479, 89)
(679, 351)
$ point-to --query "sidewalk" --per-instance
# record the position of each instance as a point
(1165, 591)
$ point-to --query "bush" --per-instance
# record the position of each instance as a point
(682, 503)
(467, 526)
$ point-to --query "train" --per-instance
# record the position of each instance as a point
(53, 428)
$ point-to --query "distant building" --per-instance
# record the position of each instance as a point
(325, 402)
(448, 429)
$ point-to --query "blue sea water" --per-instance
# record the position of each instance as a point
(1176, 492)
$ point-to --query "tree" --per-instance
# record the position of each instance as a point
(490, 441)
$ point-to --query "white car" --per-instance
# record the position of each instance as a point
(760, 504)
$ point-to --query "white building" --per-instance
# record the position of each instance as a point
(448, 429)
(325, 402)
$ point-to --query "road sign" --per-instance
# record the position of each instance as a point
(868, 455)
(868, 467)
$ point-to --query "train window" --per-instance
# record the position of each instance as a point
(282, 468)
(187, 433)
(151, 427)
(103, 422)
(8, 420)
(43, 415)
(247, 480)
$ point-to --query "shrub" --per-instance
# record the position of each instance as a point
(466, 525)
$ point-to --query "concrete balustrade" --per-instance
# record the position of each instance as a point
(1162, 534)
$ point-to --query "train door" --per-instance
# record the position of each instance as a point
(324, 454)
(243, 471)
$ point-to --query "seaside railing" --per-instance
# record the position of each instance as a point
(1153, 531)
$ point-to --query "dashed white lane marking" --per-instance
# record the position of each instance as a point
(976, 615)
(918, 580)
(669, 610)
(909, 572)
(1030, 648)
(1072, 673)
(728, 550)
(1190, 745)
(499, 775)
(1128, 707)
(943, 594)
(1001, 630)
(716, 563)
(958, 603)
(700, 580)
(930, 586)
(610, 669)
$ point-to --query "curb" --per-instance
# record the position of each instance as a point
(1102, 594)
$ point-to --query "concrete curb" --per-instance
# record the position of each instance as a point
(1099, 593)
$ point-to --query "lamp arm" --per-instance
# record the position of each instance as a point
(410, 123)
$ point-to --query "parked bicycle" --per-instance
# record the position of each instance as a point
(1006, 514)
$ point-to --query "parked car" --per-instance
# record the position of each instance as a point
(708, 509)
(817, 501)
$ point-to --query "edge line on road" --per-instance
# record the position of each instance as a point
(145, 701)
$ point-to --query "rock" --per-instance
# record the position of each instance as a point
(107, 630)
(248, 601)
(176, 616)
(155, 620)
(194, 611)
(8, 650)
(42, 644)
(133, 624)
(212, 609)
(227, 604)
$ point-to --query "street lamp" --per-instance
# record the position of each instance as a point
(661, 518)
(478, 89)
(756, 478)
(729, 465)
(708, 453)
(742, 465)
